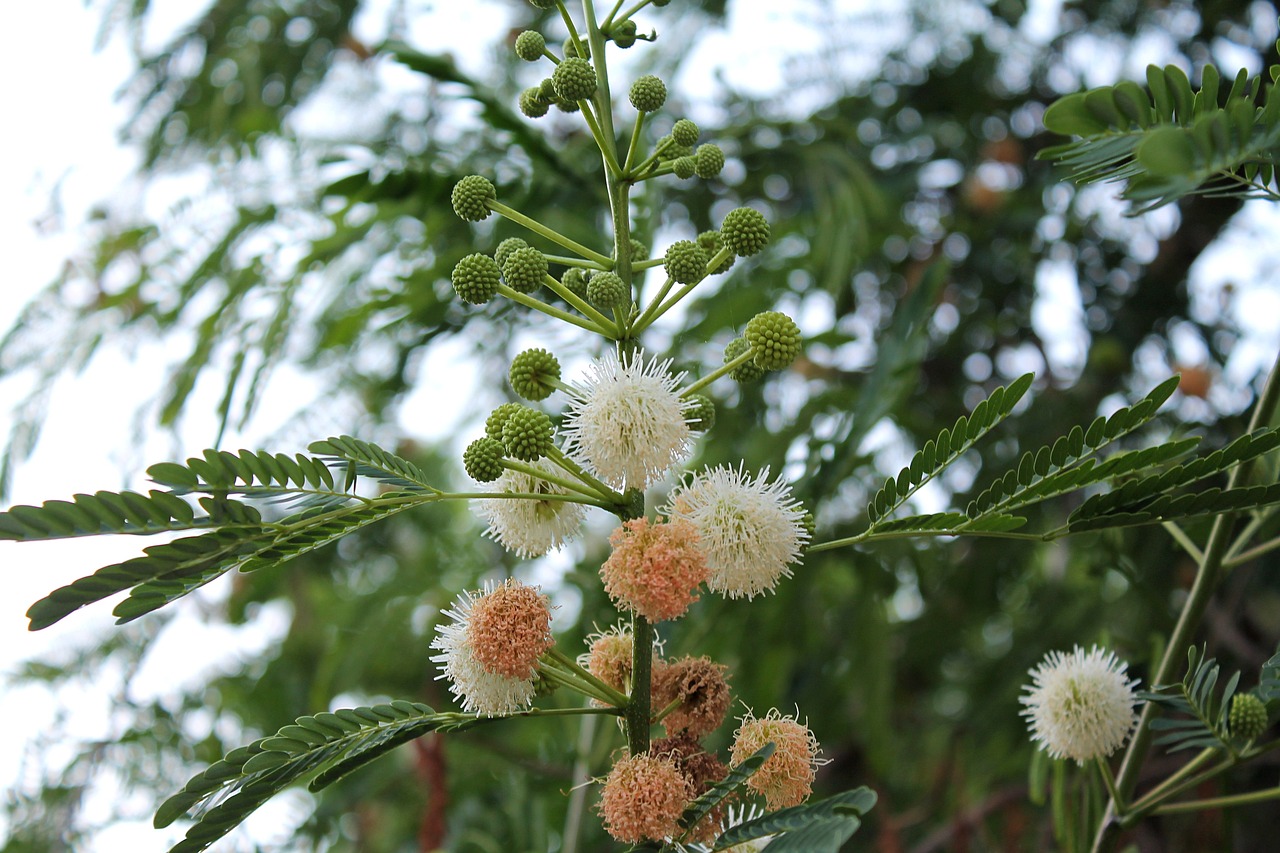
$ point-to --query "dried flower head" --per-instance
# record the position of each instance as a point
(510, 629)
(703, 770)
(528, 526)
(1080, 705)
(643, 798)
(700, 685)
(655, 568)
(608, 657)
(786, 777)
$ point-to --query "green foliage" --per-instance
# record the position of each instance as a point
(725, 788)
(817, 827)
(1202, 713)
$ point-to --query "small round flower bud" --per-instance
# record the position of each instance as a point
(606, 290)
(532, 373)
(475, 279)
(575, 278)
(711, 242)
(747, 371)
(580, 48)
(639, 251)
(1248, 717)
(708, 160)
(684, 167)
(529, 45)
(506, 247)
(498, 418)
(527, 434)
(685, 262)
(524, 269)
(469, 197)
(648, 94)
(531, 103)
(745, 230)
(574, 79)
(685, 132)
(809, 523)
(483, 459)
(674, 150)
(775, 337)
(547, 90)
(701, 415)
(624, 34)
(567, 106)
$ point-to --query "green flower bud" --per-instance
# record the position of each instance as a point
(639, 251)
(684, 167)
(708, 161)
(685, 262)
(624, 34)
(574, 79)
(710, 242)
(506, 247)
(567, 106)
(529, 45)
(483, 459)
(498, 418)
(685, 132)
(1248, 717)
(575, 278)
(775, 337)
(524, 269)
(527, 434)
(547, 90)
(531, 103)
(469, 197)
(745, 372)
(580, 48)
(532, 373)
(701, 416)
(607, 290)
(674, 150)
(745, 230)
(476, 279)
(648, 94)
(809, 523)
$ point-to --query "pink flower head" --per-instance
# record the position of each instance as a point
(510, 629)
(786, 777)
(655, 569)
(643, 799)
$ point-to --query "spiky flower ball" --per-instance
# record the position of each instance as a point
(643, 799)
(510, 628)
(1080, 705)
(747, 371)
(575, 278)
(648, 94)
(708, 160)
(639, 251)
(684, 168)
(574, 79)
(700, 685)
(530, 527)
(526, 434)
(654, 569)
(685, 133)
(483, 459)
(476, 279)
(711, 242)
(530, 45)
(532, 104)
(534, 373)
(607, 290)
(1248, 717)
(701, 415)
(469, 196)
(745, 230)
(786, 777)
(506, 247)
(627, 420)
(750, 529)
(493, 424)
(609, 657)
(685, 262)
(524, 269)
(775, 338)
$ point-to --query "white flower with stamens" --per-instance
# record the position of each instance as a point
(751, 530)
(489, 694)
(527, 526)
(626, 421)
(1079, 705)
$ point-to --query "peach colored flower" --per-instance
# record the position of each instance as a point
(643, 799)
(703, 770)
(786, 777)
(510, 629)
(655, 568)
(700, 685)
(609, 657)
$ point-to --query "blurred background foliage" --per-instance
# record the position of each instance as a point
(918, 241)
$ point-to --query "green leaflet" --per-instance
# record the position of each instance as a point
(101, 512)
(372, 461)
(717, 793)
(819, 827)
(1202, 713)
(221, 470)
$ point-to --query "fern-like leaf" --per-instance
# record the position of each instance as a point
(722, 790)
(373, 462)
(819, 827)
(101, 512)
(1199, 712)
(948, 524)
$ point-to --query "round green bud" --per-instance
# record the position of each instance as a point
(580, 48)
(575, 278)
(574, 79)
(506, 247)
(685, 262)
(469, 197)
(476, 279)
(529, 45)
(809, 523)
(701, 415)
(1248, 717)
(524, 269)
(531, 103)
(648, 94)
(684, 167)
(710, 242)
(527, 434)
(775, 337)
(606, 290)
(685, 132)
(498, 418)
(708, 160)
(624, 34)
(675, 151)
(532, 374)
(483, 459)
(567, 106)
(547, 91)
(639, 251)
(747, 371)
(745, 230)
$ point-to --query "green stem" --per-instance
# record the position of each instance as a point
(602, 142)
(1180, 536)
(1248, 799)
(573, 262)
(728, 366)
(635, 142)
(538, 473)
(633, 9)
(608, 20)
(642, 322)
(871, 536)
(1186, 777)
(1259, 518)
(552, 235)
(569, 680)
(616, 697)
(577, 302)
(526, 496)
(671, 706)
(1253, 553)
(558, 457)
(1110, 781)
(550, 310)
(638, 709)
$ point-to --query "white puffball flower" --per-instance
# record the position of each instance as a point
(751, 530)
(626, 421)
(488, 694)
(1080, 705)
(526, 526)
